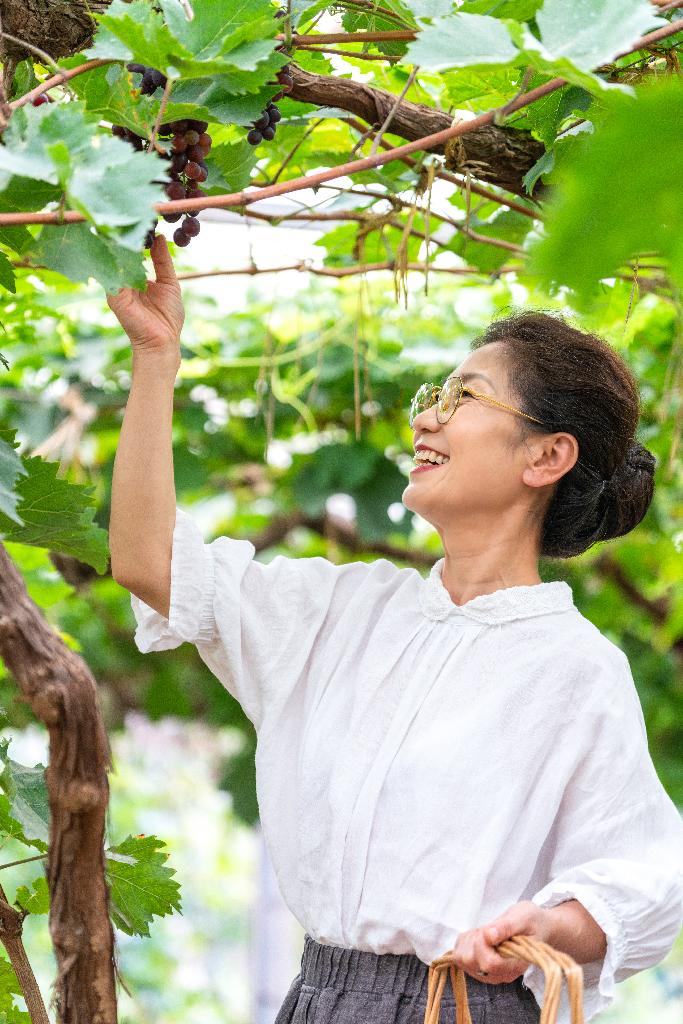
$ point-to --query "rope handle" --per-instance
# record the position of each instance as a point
(554, 963)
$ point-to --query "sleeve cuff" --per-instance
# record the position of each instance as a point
(599, 975)
(191, 612)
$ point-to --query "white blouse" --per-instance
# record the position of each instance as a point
(422, 765)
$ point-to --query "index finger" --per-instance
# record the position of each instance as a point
(163, 263)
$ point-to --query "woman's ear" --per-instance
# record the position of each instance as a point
(549, 459)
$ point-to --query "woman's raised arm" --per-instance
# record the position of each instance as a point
(143, 500)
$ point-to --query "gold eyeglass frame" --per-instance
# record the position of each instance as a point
(434, 397)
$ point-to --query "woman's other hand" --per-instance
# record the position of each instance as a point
(153, 319)
(475, 949)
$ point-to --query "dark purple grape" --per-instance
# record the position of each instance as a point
(197, 126)
(205, 141)
(180, 127)
(178, 162)
(193, 170)
(192, 137)
(180, 238)
(136, 68)
(269, 132)
(172, 217)
(119, 131)
(274, 114)
(158, 78)
(191, 226)
(262, 123)
(196, 153)
(254, 137)
(179, 144)
(147, 85)
(175, 190)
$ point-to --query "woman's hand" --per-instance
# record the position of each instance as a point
(475, 950)
(153, 319)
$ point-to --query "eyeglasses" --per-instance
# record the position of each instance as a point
(447, 398)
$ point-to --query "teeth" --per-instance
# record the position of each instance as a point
(430, 456)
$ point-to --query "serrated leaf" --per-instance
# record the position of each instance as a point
(220, 38)
(11, 828)
(11, 469)
(590, 32)
(36, 899)
(141, 889)
(56, 514)
(578, 37)
(78, 252)
(26, 789)
(231, 165)
(461, 40)
(61, 144)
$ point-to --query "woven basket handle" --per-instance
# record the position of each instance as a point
(554, 964)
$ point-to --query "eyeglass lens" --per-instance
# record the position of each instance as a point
(426, 395)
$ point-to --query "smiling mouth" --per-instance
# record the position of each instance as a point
(427, 457)
(421, 466)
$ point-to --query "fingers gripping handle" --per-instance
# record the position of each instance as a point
(555, 966)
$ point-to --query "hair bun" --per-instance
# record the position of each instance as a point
(637, 458)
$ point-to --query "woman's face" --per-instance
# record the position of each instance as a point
(483, 476)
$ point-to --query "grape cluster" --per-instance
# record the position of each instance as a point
(189, 148)
(263, 129)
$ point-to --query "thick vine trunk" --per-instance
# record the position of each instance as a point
(498, 155)
(61, 690)
(58, 27)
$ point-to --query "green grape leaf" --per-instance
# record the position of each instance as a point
(9, 987)
(140, 883)
(461, 40)
(11, 828)
(78, 252)
(593, 227)
(23, 194)
(56, 514)
(26, 790)
(220, 37)
(425, 9)
(11, 468)
(61, 144)
(575, 39)
(36, 899)
(230, 166)
(590, 34)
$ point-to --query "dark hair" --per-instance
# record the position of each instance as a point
(575, 382)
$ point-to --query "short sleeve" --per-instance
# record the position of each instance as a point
(254, 624)
(616, 847)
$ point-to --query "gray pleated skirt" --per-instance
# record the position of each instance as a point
(352, 986)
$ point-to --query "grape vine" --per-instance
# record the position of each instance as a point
(190, 145)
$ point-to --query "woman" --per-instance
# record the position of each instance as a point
(442, 762)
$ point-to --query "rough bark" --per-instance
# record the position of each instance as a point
(60, 689)
(499, 155)
(58, 27)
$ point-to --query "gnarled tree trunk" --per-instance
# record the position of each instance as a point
(61, 690)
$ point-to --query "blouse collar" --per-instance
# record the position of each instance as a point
(502, 605)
